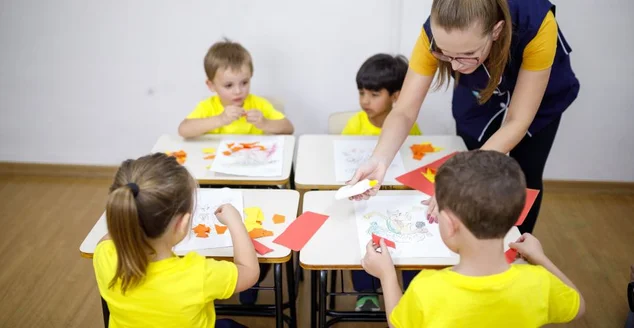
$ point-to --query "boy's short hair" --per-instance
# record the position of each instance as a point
(382, 71)
(485, 189)
(226, 54)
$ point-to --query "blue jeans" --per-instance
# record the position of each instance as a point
(364, 282)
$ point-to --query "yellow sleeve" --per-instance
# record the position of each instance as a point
(353, 127)
(415, 131)
(220, 279)
(407, 313)
(204, 109)
(563, 301)
(267, 109)
(539, 54)
(422, 61)
(104, 262)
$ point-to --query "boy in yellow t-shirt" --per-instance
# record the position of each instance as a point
(480, 195)
(233, 110)
(379, 81)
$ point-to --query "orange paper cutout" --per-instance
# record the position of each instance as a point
(210, 156)
(181, 156)
(220, 229)
(259, 233)
(277, 218)
(226, 153)
(419, 150)
(202, 231)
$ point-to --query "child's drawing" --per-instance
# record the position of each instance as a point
(261, 156)
(403, 220)
(349, 154)
(206, 231)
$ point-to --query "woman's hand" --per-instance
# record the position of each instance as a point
(373, 169)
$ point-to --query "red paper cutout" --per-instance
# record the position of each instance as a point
(531, 195)
(415, 179)
(301, 230)
(260, 248)
(376, 240)
(511, 255)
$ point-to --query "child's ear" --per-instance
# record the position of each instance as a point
(210, 85)
(452, 223)
(183, 224)
(395, 95)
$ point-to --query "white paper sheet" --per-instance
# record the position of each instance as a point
(207, 201)
(403, 220)
(265, 161)
(350, 154)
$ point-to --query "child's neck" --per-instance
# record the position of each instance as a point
(162, 249)
(378, 120)
(482, 258)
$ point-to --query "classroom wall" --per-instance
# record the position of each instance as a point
(88, 82)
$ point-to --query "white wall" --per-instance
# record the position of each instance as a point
(97, 82)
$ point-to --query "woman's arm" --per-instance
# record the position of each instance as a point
(527, 97)
(403, 116)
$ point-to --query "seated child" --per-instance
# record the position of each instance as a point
(480, 195)
(144, 284)
(379, 82)
(233, 110)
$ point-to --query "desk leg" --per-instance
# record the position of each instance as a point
(313, 298)
(106, 312)
(279, 297)
(290, 276)
(323, 286)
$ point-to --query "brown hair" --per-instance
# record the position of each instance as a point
(461, 14)
(165, 190)
(226, 54)
(485, 189)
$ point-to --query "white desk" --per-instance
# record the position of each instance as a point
(197, 165)
(315, 168)
(284, 202)
(336, 243)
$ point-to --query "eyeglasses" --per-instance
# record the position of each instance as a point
(466, 61)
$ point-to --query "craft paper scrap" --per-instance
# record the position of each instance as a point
(181, 156)
(430, 174)
(300, 231)
(260, 156)
(207, 231)
(403, 220)
(511, 255)
(209, 150)
(531, 196)
(259, 233)
(260, 248)
(419, 178)
(278, 218)
(350, 154)
(253, 218)
(376, 240)
(419, 150)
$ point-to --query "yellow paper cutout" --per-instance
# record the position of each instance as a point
(253, 218)
(209, 150)
(430, 175)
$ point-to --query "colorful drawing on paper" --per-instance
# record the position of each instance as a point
(206, 230)
(350, 154)
(403, 220)
(256, 157)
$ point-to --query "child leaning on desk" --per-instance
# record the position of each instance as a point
(144, 284)
(480, 195)
(233, 110)
(379, 81)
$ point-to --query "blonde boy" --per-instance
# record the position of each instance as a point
(233, 110)
(480, 195)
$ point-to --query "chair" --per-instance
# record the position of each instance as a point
(338, 121)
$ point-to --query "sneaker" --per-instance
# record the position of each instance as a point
(367, 303)
(249, 296)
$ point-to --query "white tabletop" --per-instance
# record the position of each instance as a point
(197, 165)
(336, 243)
(283, 202)
(315, 166)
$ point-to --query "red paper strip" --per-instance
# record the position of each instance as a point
(531, 195)
(511, 255)
(301, 230)
(260, 248)
(376, 240)
(416, 180)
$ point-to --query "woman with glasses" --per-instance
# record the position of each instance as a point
(512, 81)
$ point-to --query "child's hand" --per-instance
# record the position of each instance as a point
(255, 117)
(432, 209)
(375, 263)
(529, 248)
(227, 214)
(231, 114)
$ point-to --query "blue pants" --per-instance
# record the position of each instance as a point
(228, 323)
(364, 282)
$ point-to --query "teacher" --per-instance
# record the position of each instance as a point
(512, 81)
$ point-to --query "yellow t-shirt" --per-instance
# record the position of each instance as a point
(538, 55)
(213, 107)
(360, 125)
(177, 292)
(523, 296)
